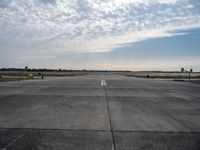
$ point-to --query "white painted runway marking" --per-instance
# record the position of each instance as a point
(103, 83)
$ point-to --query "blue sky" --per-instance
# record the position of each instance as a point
(100, 34)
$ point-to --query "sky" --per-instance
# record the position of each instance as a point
(100, 34)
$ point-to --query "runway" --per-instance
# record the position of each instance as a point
(99, 112)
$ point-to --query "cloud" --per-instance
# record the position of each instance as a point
(48, 1)
(55, 26)
(168, 1)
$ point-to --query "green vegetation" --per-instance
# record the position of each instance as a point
(11, 74)
(167, 75)
(25, 75)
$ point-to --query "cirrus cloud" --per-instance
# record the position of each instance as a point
(56, 26)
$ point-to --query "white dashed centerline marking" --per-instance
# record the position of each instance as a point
(103, 83)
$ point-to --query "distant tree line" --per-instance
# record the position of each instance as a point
(56, 70)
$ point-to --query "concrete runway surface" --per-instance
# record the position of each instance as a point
(99, 112)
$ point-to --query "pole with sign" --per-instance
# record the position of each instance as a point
(189, 72)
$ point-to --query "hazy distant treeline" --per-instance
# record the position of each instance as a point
(55, 70)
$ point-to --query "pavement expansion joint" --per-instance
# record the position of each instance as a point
(167, 132)
(52, 129)
(11, 143)
(111, 127)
